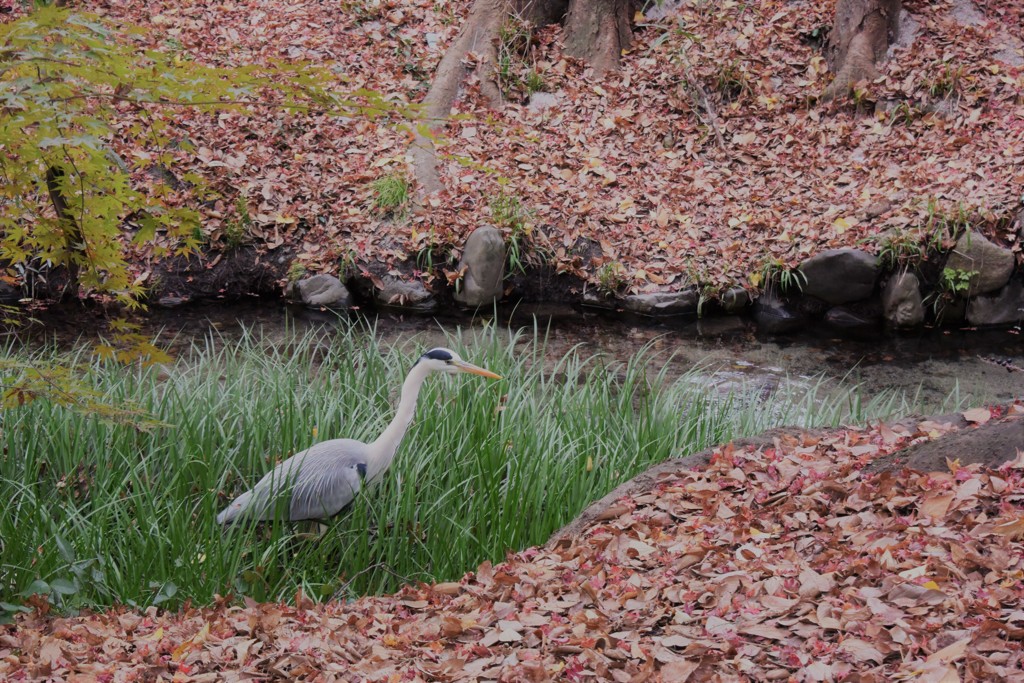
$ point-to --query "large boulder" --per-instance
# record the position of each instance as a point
(411, 296)
(1004, 308)
(323, 291)
(840, 276)
(901, 301)
(663, 303)
(992, 264)
(484, 261)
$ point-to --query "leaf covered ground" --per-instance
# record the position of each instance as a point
(705, 159)
(792, 560)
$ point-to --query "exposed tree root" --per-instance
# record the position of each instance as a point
(595, 30)
(478, 37)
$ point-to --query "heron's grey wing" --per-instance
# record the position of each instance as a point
(329, 481)
(315, 484)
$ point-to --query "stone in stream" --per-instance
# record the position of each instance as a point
(901, 301)
(735, 300)
(839, 276)
(483, 259)
(323, 291)
(663, 303)
(843, 318)
(774, 316)
(411, 296)
(1006, 307)
(992, 264)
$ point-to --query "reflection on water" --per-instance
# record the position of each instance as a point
(980, 365)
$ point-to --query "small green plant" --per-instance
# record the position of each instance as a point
(956, 282)
(513, 218)
(611, 277)
(391, 195)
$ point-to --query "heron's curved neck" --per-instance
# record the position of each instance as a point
(384, 448)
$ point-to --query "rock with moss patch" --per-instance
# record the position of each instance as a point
(990, 264)
(483, 261)
(323, 291)
(839, 276)
(1006, 307)
(902, 304)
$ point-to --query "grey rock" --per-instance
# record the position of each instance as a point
(993, 264)
(735, 300)
(1004, 308)
(901, 301)
(774, 316)
(663, 303)
(539, 101)
(411, 296)
(840, 276)
(484, 261)
(323, 291)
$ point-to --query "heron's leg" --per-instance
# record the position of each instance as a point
(314, 528)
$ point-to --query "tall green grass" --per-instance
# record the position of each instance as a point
(95, 513)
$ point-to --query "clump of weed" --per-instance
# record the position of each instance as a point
(611, 277)
(391, 195)
(775, 276)
(947, 84)
(236, 230)
(900, 249)
(517, 78)
(296, 271)
(513, 218)
(731, 81)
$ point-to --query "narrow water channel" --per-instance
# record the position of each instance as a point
(936, 366)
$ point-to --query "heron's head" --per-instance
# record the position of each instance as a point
(446, 360)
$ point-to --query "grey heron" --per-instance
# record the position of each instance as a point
(321, 480)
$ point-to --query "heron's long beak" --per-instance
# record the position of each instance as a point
(469, 367)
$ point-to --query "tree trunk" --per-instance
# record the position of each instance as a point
(68, 224)
(597, 31)
(861, 35)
